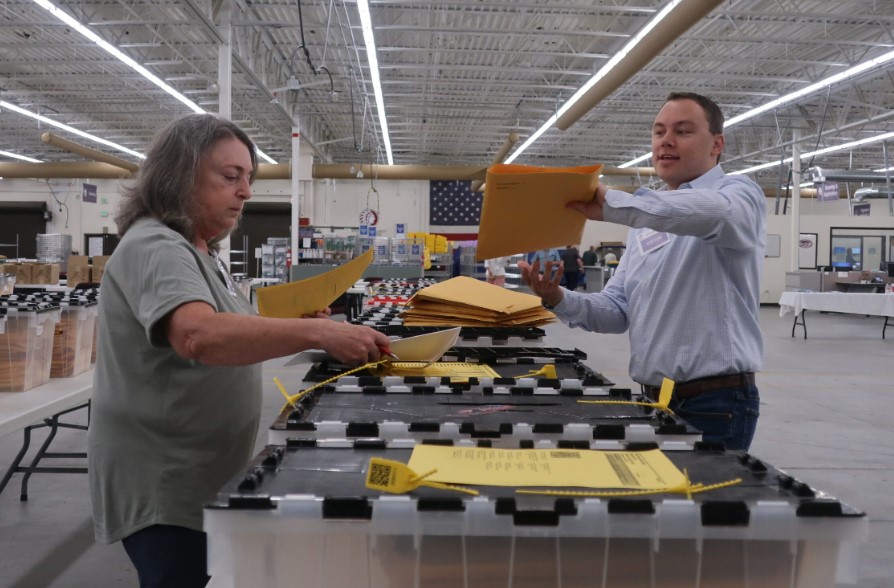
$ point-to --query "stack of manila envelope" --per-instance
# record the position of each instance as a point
(467, 302)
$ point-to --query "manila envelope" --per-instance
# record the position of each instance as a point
(474, 294)
(524, 208)
(307, 296)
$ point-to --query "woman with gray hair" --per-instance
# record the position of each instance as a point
(177, 387)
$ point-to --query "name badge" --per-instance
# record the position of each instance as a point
(651, 240)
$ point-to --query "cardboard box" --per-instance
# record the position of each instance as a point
(78, 270)
(23, 273)
(45, 273)
(99, 266)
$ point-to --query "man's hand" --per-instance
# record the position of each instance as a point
(542, 284)
(593, 209)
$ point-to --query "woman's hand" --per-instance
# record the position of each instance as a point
(353, 344)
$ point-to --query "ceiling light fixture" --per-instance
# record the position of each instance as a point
(17, 156)
(847, 74)
(64, 127)
(603, 71)
(823, 151)
(116, 53)
(366, 26)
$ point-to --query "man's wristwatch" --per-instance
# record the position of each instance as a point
(546, 306)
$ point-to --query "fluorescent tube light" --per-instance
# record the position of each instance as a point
(366, 26)
(64, 127)
(115, 52)
(810, 89)
(823, 151)
(824, 83)
(17, 156)
(603, 71)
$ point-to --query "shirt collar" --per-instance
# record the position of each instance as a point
(710, 176)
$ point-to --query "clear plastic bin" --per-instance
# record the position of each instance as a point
(73, 340)
(303, 517)
(26, 347)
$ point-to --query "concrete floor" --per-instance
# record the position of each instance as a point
(822, 419)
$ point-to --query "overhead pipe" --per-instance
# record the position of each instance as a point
(277, 171)
(64, 169)
(342, 171)
(677, 22)
(510, 142)
(95, 154)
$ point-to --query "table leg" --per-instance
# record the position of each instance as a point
(15, 463)
(885, 327)
(54, 425)
(802, 323)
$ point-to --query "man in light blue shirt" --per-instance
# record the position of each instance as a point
(687, 289)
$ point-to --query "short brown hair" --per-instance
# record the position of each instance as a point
(712, 111)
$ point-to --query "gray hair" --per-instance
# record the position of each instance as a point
(166, 182)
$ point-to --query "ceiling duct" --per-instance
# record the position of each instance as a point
(672, 27)
(95, 154)
(818, 175)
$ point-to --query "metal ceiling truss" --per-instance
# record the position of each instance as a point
(457, 75)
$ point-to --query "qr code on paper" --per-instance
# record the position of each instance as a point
(379, 474)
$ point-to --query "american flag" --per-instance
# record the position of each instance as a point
(453, 204)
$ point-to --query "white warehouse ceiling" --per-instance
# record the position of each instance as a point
(458, 76)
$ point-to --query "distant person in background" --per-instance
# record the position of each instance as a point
(572, 263)
(851, 260)
(496, 270)
(610, 259)
(545, 255)
(589, 256)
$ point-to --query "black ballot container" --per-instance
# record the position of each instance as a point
(578, 406)
(302, 516)
(504, 415)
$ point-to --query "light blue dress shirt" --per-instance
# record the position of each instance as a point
(691, 305)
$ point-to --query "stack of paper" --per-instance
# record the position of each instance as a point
(467, 302)
(524, 208)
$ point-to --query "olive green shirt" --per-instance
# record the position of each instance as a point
(165, 432)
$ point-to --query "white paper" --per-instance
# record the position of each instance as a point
(428, 347)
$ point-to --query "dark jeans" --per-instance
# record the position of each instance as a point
(571, 280)
(728, 416)
(169, 557)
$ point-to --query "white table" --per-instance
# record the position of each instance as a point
(865, 304)
(42, 407)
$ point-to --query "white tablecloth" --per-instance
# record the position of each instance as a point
(872, 304)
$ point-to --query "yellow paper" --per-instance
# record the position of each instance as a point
(458, 371)
(524, 208)
(635, 470)
(471, 293)
(296, 299)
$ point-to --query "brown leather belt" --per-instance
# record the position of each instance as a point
(702, 385)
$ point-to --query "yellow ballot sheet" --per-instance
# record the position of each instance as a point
(296, 299)
(524, 208)
(458, 372)
(633, 470)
